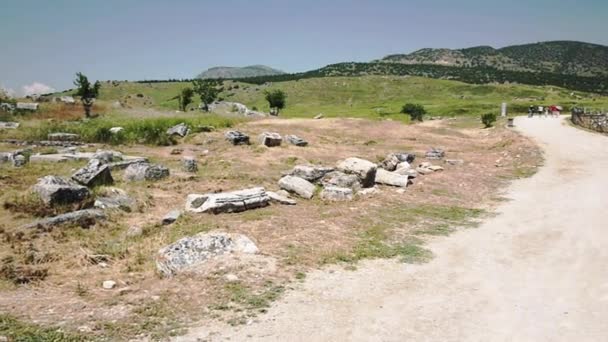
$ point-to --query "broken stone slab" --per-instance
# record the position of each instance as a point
(435, 168)
(115, 198)
(6, 157)
(435, 154)
(19, 160)
(48, 158)
(364, 169)
(318, 116)
(85, 218)
(295, 140)
(309, 172)
(392, 160)
(454, 161)
(181, 129)
(341, 180)
(270, 139)
(189, 164)
(411, 173)
(227, 202)
(95, 173)
(116, 130)
(107, 156)
(9, 125)
(391, 178)
(194, 250)
(297, 185)
(63, 137)
(237, 138)
(277, 198)
(424, 170)
(121, 165)
(171, 217)
(145, 171)
(333, 193)
(54, 190)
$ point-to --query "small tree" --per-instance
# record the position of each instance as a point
(415, 111)
(86, 92)
(488, 120)
(208, 90)
(185, 98)
(276, 100)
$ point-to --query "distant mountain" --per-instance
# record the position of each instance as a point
(560, 57)
(236, 72)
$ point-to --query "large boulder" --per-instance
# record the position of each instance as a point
(364, 169)
(295, 140)
(333, 193)
(54, 190)
(237, 138)
(227, 202)
(192, 251)
(298, 186)
(95, 173)
(309, 172)
(145, 171)
(341, 180)
(270, 139)
(391, 178)
(181, 129)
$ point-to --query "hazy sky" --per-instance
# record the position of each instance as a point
(44, 42)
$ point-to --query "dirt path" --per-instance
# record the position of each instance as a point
(536, 272)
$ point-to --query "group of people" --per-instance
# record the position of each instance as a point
(554, 111)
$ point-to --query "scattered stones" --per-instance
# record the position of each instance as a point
(54, 190)
(95, 173)
(427, 168)
(333, 193)
(341, 180)
(309, 172)
(189, 164)
(145, 171)
(182, 130)
(195, 250)
(9, 125)
(297, 185)
(84, 218)
(171, 217)
(295, 140)
(116, 130)
(19, 160)
(392, 160)
(369, 191)
(391, 178)
(454, 161)
(63, 137)
(270, 139)
(364, 169)
(109, 284)
(237, 138)
(435, 154)
(106, 156)
(277, 198)
(318, 116)
(227, 202)
(115, 198)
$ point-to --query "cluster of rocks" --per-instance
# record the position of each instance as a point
(18, 157)
(269, 139)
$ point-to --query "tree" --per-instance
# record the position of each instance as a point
(415, 111)
(276, 100)
(488, 120)
(86, 92)
(185, 98)
(208, 90)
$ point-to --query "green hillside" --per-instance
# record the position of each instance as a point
(237, 72)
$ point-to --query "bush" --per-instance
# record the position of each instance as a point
(415, 111)
(488, 119)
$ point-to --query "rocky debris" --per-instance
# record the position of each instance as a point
(435, 168)
(171, 217)
(116, 130)
(115, 198)
(333, 193)
(297, 185)
(56, 190)
(9, 125)
(364, 169)
(392, 160)
(295, 140)
(341, 180)
(177, 151)
(195, 250)
(237, 138)
(121, 165)
(309, 172)
(107, 156)
(435, 154)
(189, 164)
(270, 139)
(6, 157)
(41, 143)
(279, 198)
(63, 137)
(227, 202)
(318, 116)
(109, 284)
(391, 178)
(369, 191)
(19, 160)
(454, 161)
(427, 168)
(145, 171)
(181, 129)
(134, 231)
(95, 173)
(424, 171)
(84, 218)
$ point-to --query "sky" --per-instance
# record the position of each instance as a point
(44, 43)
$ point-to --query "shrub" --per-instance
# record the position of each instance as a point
(276, 99)
(488, 119)
(415, 111)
